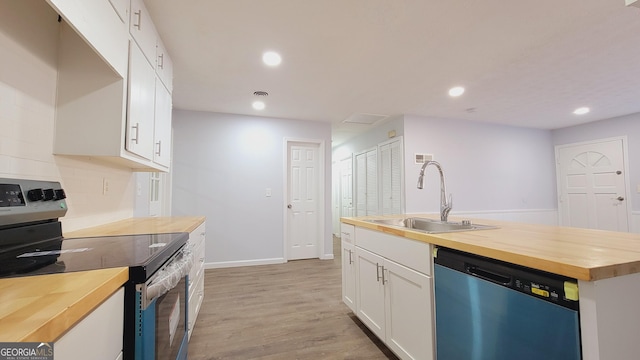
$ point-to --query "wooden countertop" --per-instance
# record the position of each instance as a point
(135, 226)
(42, 308)
(577, 253)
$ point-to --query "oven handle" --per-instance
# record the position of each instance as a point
(168, 277)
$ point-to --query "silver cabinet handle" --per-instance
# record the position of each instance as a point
(384, 281)
(136, 127)
(161, 61)
(138, 14)
(378, 272)
(350, 260)
(159, 143)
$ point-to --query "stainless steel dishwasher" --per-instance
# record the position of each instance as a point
(492, 310)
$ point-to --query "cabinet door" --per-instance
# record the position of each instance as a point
(370, 291)
(164, 66)
(141, 105)
(162, 126)
(349, 275)
(408, 321)
(143, 31)
(98, 336)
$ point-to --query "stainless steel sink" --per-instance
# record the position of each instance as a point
(431, 226)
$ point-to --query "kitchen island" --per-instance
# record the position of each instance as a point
(605, 264)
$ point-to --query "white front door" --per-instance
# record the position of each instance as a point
(304, 201)
(591, 185)
(346, 187)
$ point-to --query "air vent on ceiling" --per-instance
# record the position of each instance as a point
(364, 119)
(423, 158)
(260, 93)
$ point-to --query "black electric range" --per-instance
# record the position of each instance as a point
(142, 254)
(31, 241)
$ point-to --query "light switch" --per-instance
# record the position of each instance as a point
(267, 193)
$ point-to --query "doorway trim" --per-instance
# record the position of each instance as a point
(321, 194)
(625, 164)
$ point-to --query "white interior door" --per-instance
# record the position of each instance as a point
(304, 200)
(592, 185)
(346, 187)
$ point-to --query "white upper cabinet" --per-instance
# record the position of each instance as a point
(100, 26)
(143, 31)
(113, 102)
(141, 114)
(164, 66)
(162, 130)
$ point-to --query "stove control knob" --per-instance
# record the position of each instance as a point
(35, 194)
(48, 194)
(60, 195)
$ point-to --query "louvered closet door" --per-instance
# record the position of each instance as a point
(391, 156)
(372, 182)
(361, 184)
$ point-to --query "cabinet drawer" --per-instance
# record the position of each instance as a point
(347, 232)
(410, 253)
(196, 296)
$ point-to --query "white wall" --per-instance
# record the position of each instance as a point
(222, 165)
(28, 75)
(493, 171)
(488, 168)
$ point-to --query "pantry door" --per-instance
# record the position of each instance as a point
(305, 201)
(592, 185)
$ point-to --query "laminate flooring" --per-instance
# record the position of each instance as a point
(285, 312)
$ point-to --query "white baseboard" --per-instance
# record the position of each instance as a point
(226, 264)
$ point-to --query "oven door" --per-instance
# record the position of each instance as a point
(171, 319)
(162, 326)
(161, 312)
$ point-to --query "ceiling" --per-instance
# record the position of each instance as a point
(523, 63)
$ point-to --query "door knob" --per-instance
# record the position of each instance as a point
(620, 198)
(289, 206)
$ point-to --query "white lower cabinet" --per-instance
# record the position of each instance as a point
(196, 275)
(98, 336)
(349, 275)
(408, 312)
(393, 300)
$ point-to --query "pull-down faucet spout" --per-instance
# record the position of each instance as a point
(445, 206)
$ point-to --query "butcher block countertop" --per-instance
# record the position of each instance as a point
(582, 254)
(42, 308)
(137, 226)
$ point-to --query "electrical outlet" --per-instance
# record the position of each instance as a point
(267, 193)
(105, 186)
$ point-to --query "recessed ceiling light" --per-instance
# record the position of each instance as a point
(258, 105)
(271, 58)
(456, 91)
(581, 111)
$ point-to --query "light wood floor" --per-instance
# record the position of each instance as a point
(286, 311)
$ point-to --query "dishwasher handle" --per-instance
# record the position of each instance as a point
(489, 275)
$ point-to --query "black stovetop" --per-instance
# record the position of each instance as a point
(143, 254)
